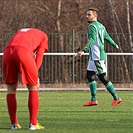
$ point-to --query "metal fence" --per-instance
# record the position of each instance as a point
(67, 69)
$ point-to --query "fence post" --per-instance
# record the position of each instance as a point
(73, 41)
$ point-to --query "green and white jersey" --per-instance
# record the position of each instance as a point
(95, 46)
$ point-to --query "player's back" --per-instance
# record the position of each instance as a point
(97, 49)
(100, 31)
(29, 38)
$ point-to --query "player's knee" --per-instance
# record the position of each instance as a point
(11, 88)
(90, 76)
(103, 78)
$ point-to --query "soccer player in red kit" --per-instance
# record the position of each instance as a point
(23, 55)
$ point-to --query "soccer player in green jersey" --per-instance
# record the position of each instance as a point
(96, 65)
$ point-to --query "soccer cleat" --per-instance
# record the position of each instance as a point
(35, 127)
(91, 103)
(115, 102)
(16, 126)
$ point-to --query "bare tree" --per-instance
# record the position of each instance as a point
(125, 70)
(129, 24)
(59, 17)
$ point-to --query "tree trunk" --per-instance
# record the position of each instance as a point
(129, 25)
(123, 59)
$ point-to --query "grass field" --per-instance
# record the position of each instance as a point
(63, 112)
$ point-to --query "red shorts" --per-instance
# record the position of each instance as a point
(18, 60)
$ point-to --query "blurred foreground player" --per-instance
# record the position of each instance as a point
(23, 55)
(96, 64)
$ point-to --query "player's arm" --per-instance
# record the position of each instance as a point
(43, 47)
(39, 57)
(110, 40)
(38, 83)
(91, 40)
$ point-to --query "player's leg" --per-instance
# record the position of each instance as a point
(100, 65)
(29, 75)
(11, 77)
(11, 102)
(92, 83)
(12, 105)
(33, 105)
(109, 86)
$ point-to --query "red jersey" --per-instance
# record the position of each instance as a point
(34, 40)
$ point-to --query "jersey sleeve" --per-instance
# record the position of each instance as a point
(91, 38)
(44, 43)
(109, 39)
(43, 47)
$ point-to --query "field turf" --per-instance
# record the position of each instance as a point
(63, 112)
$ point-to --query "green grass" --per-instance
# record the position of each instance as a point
(63, 112)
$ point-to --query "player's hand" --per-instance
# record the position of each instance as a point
(117, 46)
(80, 53)
(38, 83)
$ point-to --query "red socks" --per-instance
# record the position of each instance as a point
(12, 107)
(33, 105)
